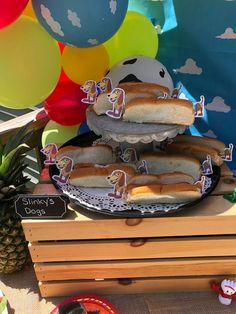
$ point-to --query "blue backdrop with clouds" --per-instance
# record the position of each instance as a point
(201, 54)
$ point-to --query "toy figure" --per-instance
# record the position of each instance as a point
(226, 290)
(232, 197)
(50, 151)
(117, 98)
(118, 180)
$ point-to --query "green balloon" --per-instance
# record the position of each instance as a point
(57, 133)
(137, 36)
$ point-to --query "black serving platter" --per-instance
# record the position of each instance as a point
(86, 140)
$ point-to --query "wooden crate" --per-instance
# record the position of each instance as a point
(89, 253)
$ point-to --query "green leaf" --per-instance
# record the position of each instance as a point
(1, 151)
(11, 156)
(15, 140)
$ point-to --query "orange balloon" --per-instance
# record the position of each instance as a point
(29, 11)
(82, 64)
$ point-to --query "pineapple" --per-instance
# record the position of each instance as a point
(13, 246)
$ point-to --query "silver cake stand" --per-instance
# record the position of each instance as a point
(132, 133)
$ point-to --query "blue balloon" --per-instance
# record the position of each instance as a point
(81, 23)
(83, 128)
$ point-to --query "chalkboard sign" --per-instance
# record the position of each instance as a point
(41, 206)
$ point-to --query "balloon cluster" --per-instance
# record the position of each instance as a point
(50, 48)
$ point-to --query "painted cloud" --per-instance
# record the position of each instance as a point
(183, 96)
(54, 25)
(73, 17)
(210, 133)
(190, 67)
(113, 6)
(228, 34)
(218, 104)
(93, 41)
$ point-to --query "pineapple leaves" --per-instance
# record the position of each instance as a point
(15, 140)
(11, 157)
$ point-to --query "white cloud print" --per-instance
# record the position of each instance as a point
(218, 104)
(190, 67)
(73, 17)
(93, 41)
(113, 6)
(228, 34)
(210, 133)
(54, 25)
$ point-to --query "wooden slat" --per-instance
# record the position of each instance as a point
(135, 268)
(212, 216)
(173, 284)
(133, 249)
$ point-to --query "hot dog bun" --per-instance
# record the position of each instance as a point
(99, 154)
(165, 178)
(156, 193)
(196, 150)
(158, 163)
(96, 176)
(102, 104)
(165, 111)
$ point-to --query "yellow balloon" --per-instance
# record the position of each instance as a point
(82, 64)
(30, 64)
(136, 36)
(55, 133)
(29, 11)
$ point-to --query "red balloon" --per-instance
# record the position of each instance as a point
(10, 10)
(64, 105)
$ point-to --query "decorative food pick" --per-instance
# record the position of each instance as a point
(176, 91)
(231, 197)
(105, 85)
(50, 151)
(142, 167)
(118, 180)
(117, 99)
(228, 153)
(65, 165)
(89, 88)
(129, 155)
(199, 107)
(207, 166)
(201, 184)
(226, 290)
(163, 96)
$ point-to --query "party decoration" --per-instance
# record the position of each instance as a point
(227, 155)
(199, 107)
(65, 106)
(118, 180)
(82, 64)
(90, 88)
(226, 291)
(50, 151)
(58, 134)
(117, 99)
(136, 36)
(140, 69)
(81, 23)
(85, 304)
(10, 10)
(207, 166)
(105, 85)
(176, 91)
(65, 166)
(31, 63)
(83, 129)
(29, 11)
(231, 197)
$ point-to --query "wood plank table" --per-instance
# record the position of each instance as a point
(92, 253)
